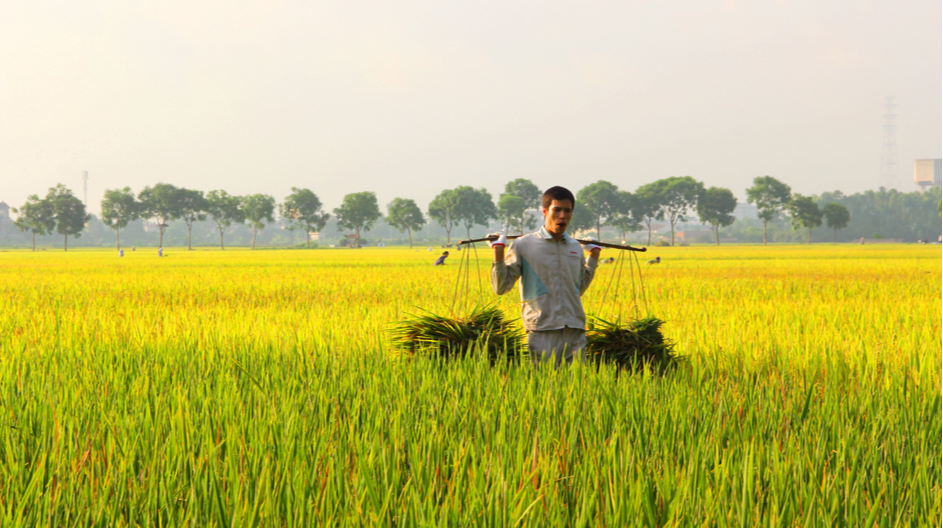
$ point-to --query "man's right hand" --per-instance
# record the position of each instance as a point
(502, 240)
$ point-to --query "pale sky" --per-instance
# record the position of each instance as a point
(409, 98)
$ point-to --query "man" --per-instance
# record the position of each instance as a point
(441, 260)
(554, 274)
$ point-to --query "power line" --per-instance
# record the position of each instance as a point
(890, 170)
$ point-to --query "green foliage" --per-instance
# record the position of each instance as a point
(358, 211)
(770, 196)
(161, 203)
(511, 211)
(258, 209)
(527, 191)
(474, 207)
(36, 216)
(193, 207)
(836, 217)
(441, 337)
(714, 206)
(803, 212)
(647, 204)
(628, 216)
(602, 201)
(632, 346)
(405, 215)
(303, 209)
(68, 213)
(224, 209)
(675, 195)
(444, 209)
(119, 207)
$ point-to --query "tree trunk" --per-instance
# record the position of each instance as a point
(835, 239)
(65, 245)
(672, 234)
(307, 238)
(649, 224)
(189, 247)
(410, 232)
(810, 235)
(448, 236)
(221, 239)
(34, 241)
(117, 240)
(598, 230)
(764, 231)
(161, 243)
(254, 230)
(357, 231)
(717, 234)
(522, 225)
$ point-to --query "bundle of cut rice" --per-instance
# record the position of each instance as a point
(631, 346)
(448, 338)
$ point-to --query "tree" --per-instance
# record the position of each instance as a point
(511, 211)
(474, 207)
(647, 205)
(676, 195)
(836, 217)
(769, 196)
(258, 208)
(193, 207)
(161, 204)
(444, 210)
(119, 207)
(289, 215)
(601, 200)
(626, 217)
(36, 216)
(358, 212)
(225, 209)
(803, 212)
(68, 212)
(532, 197)
(404, 214)
(306, 210)
(714, 207)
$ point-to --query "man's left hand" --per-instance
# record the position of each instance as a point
(592, 248)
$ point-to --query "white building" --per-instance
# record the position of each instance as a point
(927, 172)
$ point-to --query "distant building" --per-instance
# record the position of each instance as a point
(927, 173)
(4, 210)
(744, 210)
(694, 235)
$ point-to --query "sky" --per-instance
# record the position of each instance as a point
(409, 98)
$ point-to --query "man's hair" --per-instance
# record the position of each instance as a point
(557, 193)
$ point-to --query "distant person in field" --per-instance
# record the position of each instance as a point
(160, 252)
(554, 273)
(441, 260)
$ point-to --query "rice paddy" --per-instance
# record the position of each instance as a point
(262, 388)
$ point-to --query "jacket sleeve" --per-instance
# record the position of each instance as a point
(589, 271)
(505, 274)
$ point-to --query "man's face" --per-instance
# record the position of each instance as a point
(557, 216)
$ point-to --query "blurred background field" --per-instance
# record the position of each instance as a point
(258, 388)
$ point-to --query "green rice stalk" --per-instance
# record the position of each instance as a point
(449, 338)
(630, 346)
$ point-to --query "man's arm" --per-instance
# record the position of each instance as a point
(589, 267)
(505, 270)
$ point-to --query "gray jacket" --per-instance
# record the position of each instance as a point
(553, 277)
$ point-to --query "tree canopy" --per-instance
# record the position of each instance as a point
(602, 201)
(770, 197)
(258, 209)
(161, 204)
(304, 208)
(405, 216)
(715, 206)
(836, 217)
(119, 207)
(224, 209)
(36, 216)
(804, 212)
(68, 212)
(358, 212)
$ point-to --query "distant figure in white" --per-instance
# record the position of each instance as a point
(160, 252)
(655, 261)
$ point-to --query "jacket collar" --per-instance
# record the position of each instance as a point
(546, 235)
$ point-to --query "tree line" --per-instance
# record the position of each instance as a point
(673, 200)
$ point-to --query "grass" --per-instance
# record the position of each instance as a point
(259, 389)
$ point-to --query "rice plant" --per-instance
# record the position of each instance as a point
(631, 346)
(442, 337)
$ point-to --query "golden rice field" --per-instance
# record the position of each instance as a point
(244, 388)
